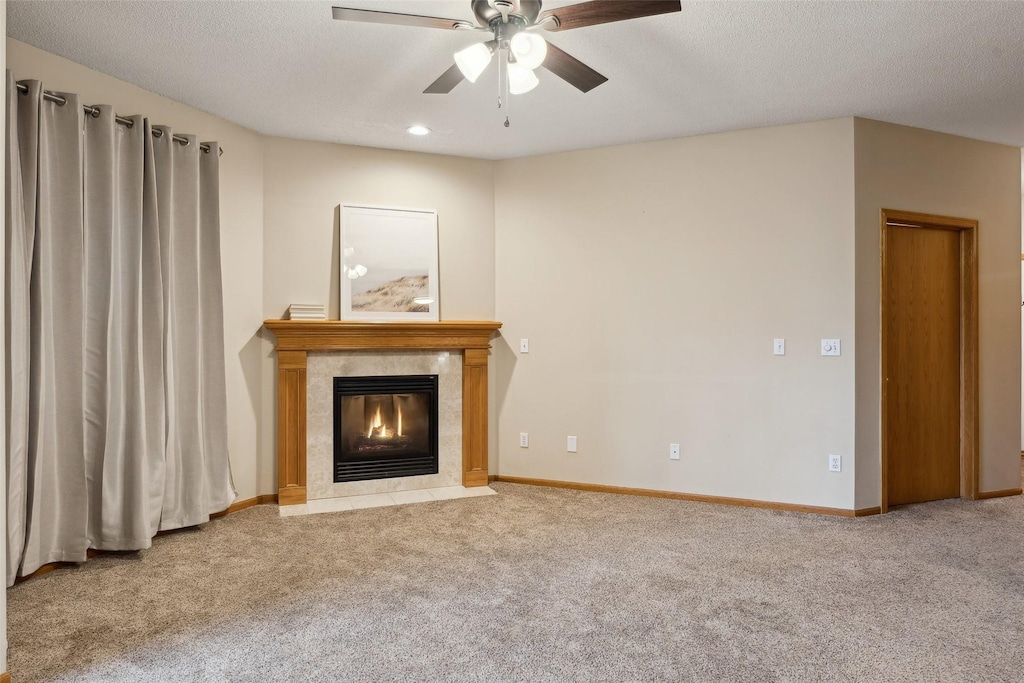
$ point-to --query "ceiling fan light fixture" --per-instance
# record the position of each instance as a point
(520, 79)
(473, 60)
(516, 22)
(529, 49)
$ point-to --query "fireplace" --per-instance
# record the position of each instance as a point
(385, 427)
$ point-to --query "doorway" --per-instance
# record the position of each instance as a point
(929, 358)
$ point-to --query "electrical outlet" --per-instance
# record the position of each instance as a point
(673, 451)
(524, 440)
(524, 346)
(780, 347)
(835, 463)
(570, 444)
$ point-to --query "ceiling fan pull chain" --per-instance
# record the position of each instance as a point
(508, 100)
(500, 91)
(508, 104)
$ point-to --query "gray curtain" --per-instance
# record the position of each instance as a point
(116, 402)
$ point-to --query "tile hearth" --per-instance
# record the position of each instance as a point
(377, 500)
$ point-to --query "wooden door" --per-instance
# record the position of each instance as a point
(922, 300)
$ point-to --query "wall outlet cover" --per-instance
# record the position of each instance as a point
(835, 463)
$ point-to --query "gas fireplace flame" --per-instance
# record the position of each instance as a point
(380, 430)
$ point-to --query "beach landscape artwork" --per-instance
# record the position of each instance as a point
(388, 264)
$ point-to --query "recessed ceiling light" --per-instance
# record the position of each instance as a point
(418, 130)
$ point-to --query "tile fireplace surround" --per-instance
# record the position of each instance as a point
(364, 348)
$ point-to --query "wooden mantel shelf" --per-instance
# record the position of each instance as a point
(333, 335)
(297, 338)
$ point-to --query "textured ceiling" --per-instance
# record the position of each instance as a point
(288, 69)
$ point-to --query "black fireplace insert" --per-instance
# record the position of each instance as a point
(385, 427)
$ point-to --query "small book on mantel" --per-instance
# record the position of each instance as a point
(307, 312)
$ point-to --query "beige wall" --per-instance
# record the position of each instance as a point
(307, 181)
(305, 184)
(241, 184)
(651, 280)
(917, 170)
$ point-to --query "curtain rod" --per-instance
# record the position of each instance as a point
(93, 111)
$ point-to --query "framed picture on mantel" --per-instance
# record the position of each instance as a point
(388, 264)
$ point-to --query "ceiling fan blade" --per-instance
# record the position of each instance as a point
(605, 11)
(446, 81)
(571, 70)
(376, 17)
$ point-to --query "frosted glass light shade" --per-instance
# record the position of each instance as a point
(529, 49)
(473, 60)
(521, 79)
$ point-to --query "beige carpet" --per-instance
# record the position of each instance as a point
(543, 585)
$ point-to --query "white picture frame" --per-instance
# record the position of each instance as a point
(388, 264)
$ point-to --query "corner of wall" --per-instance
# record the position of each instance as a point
(867, 289)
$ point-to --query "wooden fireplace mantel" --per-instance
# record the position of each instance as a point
(296, 338)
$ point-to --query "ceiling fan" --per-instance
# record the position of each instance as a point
(513, 25)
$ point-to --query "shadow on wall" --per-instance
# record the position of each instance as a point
(504, 357)
(334, 295)
(251, 358)
(268, 415)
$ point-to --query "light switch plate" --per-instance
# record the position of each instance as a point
(570, 444)
(524, 346)
(780, 347)
(830, 347)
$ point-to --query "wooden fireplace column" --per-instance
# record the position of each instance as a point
(296, 338)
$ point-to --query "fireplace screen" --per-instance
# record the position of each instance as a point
(385, 427)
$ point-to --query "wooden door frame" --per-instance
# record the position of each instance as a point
(968, 229)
